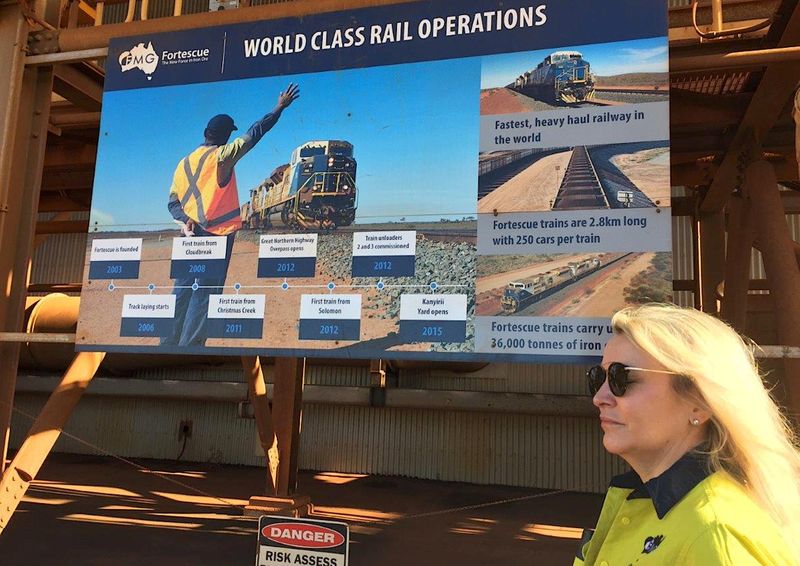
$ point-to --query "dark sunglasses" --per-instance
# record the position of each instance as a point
(618, 377)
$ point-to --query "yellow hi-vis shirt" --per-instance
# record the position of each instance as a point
(684, 517)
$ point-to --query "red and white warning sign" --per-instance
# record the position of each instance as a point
(308, 542)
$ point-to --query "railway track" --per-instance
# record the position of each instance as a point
(580, 186)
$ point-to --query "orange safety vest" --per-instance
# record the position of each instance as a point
(214, 208)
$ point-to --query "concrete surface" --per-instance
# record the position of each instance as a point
(86, 510)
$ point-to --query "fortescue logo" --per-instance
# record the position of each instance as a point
(651, 543)
(140, 57)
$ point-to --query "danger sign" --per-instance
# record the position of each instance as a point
(308, 542)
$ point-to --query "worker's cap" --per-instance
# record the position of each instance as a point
(221, 123)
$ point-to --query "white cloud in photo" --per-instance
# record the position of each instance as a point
(645, 55)
(100, 218)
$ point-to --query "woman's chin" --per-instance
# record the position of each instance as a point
(612, 443)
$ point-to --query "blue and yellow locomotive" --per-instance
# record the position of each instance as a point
(315, 191)
(563, 76)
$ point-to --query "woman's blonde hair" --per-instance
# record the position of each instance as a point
(748, 436)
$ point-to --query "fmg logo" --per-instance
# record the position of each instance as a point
(140, 57)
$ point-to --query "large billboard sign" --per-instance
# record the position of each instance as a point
(429, 180)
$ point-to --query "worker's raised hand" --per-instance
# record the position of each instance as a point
(288, 96)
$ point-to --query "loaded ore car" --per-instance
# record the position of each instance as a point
(563, 76)
(520, 294)
(316, 190)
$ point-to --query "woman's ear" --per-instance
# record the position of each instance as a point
(699, 416)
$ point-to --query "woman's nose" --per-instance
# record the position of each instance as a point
(603, 395)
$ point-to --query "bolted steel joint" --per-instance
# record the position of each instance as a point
(43, 41)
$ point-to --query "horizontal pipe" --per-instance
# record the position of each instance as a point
(79, 39)
(38, 337)
(55, 288)
(236, 392)
(62, 227)
(66, 56)
(756, 57)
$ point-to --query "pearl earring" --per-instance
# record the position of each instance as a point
(695, 422)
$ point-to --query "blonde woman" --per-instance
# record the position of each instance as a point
(715, 467)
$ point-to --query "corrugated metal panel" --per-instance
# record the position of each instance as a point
(115, 13)
(140, 428)
(59, 259)
(505, 449)
(508, 449)
(503, 378)
(354, 376)
(682, 248)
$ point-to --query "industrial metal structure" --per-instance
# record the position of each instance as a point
(735, 141)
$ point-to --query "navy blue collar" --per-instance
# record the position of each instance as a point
(670, 487)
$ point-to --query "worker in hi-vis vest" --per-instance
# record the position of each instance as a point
(204, 201)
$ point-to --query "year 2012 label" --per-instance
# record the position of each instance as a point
(330, 317)
(293, 255)
(384, 254)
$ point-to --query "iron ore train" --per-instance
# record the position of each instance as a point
(563, 76)
(520, 294)
(316, 190)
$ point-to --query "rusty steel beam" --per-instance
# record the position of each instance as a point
(67, 120)
(263, 415)
(687, 108)
(99, 36)
(70, 156)
(288, 410)
(24, 113)
(694, 173)
(711, 236)
(780, 265)
(773, 92)
(12, 33)
(62, 203)
(62, 227)
(78, 87)
(737, 59)
(741, 233)
(45, 432)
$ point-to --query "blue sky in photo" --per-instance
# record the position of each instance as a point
(414, 129)
(606, 59)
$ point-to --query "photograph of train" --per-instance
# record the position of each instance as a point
(629, 175)
(338, 162)
(315, 191)
(608, 74)
(579, 285)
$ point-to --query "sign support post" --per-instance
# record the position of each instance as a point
(287, 411)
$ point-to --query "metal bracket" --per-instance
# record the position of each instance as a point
(43, 41)
(381, 376)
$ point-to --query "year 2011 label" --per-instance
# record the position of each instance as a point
(235, 316)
